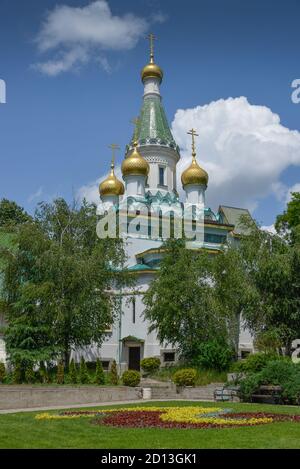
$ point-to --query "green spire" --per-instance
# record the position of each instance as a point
(153, 127)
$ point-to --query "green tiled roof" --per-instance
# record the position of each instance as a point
(140, 267)
(153, 127)
(234, 216)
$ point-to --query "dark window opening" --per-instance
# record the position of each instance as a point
(169, 356)
(160, 233)
(133, 310)
(161, 176)
(105, 365)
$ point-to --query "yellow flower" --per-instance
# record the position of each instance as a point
(189, 414)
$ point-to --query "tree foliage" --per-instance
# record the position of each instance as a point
(288, 223)
(181, 304)
(57, 283)
(99, 375)
(11, 214)
(273, 266)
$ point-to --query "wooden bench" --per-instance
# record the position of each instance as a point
(268, 395)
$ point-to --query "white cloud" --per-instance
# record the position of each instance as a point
(243, 147)
(269, 229)
(77, 35)
(64, 61)
(294, 188)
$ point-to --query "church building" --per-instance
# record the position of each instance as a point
(150, 187)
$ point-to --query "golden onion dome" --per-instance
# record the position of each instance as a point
(151, 70)
(135, 164)
(194, 174)
(111, 185)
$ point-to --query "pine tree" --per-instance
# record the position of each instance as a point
(113, 375)
(2, 372)
(29, 373)
(43, 373)
(73, 372)
(17, 373)
(83, 372)
(99, 377)
(60, 376)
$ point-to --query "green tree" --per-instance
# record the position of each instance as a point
(288, 223)
(274, 267)
(59, 280)
(99, 376)
(18, 372)
(181, 304)
(113, 374)
(60, 374)
(29, 373)
(73, 372)
(234, 290)
(2, 372)
(83, 372)
(12, 214)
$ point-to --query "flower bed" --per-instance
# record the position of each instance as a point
(173, 417)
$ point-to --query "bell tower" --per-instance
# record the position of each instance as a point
(153, 137)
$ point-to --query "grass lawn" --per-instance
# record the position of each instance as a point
(21, 430)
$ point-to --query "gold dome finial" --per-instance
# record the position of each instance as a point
(135, 164)
(194, 174)
(151, 70)
(111, 185)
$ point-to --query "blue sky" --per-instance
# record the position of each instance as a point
(55, 128)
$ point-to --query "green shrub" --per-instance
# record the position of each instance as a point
(268, 341)
(2, 372)
(29, 373)
(83, 372)
(185, 377)
(131, 378)
(44, 376)
(99, 375)
(249, 386)
(255, 362)
(17, 373)
(60, 374)
(72, 372)
(278, 372)
(215, 356)
(291, 389)
(91, 366)
(113, 374)
(282, 373)
(150, 365)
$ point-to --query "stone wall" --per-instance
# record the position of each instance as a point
(22, 397)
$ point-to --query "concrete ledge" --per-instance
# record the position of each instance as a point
(22, 397)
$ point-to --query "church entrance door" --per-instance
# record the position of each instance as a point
(134, 358)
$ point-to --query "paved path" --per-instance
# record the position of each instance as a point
(96, 404)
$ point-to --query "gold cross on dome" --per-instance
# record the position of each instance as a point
(193, 133)
(151, 38)
(113, 147)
